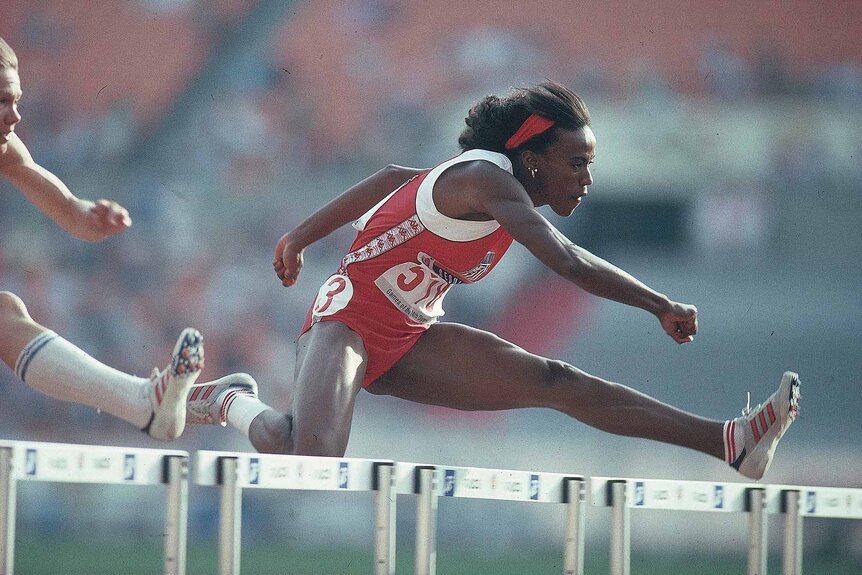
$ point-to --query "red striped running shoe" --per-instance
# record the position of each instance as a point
(750, 440)
(208, 402)
(169, 387)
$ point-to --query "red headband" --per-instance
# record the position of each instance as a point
(532, 126)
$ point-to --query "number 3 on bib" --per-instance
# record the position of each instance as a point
(333, 296)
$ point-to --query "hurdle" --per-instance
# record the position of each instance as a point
(798, 502)
(232, 472)
(625, 494)
(430, 482)
(69, 463)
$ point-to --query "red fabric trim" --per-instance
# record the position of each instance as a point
(755, 430)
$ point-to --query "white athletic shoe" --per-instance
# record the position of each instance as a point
(208, 402)
(169, 387)
(750, 440)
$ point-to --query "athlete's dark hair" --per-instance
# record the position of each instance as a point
(494, 119)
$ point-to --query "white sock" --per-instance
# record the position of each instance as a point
(60, 370)
(240, 409)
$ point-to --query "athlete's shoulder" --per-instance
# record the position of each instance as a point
(482, 157)
(479, 168)
(13, 154)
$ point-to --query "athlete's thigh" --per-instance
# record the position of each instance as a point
(466, 368)
(331, 361)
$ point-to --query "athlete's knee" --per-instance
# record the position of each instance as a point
(276, 432)
(557, 373)
(12, 307)
(271, 432)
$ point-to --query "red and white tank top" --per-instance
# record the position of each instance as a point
(411, 254)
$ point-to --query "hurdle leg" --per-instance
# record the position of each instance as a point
(426, 521)
(621, 533)
(573, 552)
(792, 533)
(384, 519)
(757, 531)
(176, 476)
(7, 513)
(230, 517)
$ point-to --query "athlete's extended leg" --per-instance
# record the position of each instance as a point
(52, 365)
(331, 363)
(464, 368)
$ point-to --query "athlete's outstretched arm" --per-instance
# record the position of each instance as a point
(344, 209)
(500, 195)
(86, 220)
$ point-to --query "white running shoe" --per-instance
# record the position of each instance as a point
(750, 440)
(208, 402)
(169, 387)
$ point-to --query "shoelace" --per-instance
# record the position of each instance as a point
(747, 408)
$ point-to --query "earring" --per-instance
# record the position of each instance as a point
(533, 172)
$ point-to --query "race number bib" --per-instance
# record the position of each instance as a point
(333, 296)
(415, 290)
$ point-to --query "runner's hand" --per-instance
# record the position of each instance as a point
(288, 261)
(102, 219)
(680, 322)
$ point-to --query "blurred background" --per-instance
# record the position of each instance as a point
(728, 175)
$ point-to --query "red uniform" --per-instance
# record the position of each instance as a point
(389, 289)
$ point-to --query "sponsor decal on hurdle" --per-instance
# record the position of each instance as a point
(640, 493)
(449, 483)
(30, 462)
(811, 502)
(254, 471)
(718, 497)
(534, 487)
(343, 474)
(129, 467)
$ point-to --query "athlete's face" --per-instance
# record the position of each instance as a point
(563, 170)
(10, 95)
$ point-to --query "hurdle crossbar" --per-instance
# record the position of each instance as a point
(233, 472)
(69, 463)
(431, 482)
(625, 494)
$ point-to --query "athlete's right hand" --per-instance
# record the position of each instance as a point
(288, 261)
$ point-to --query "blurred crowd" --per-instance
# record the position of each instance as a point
(220, 125)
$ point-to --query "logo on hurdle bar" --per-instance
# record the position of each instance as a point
(30, 462)
(811, 502)
(718, 497)
(254, 471)
(129, 467)
(534, 487)
(640, 492)
(449, 483)
(343, 474)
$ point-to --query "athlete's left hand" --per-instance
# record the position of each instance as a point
(680, 322)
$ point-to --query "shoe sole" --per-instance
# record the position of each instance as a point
(187, 361)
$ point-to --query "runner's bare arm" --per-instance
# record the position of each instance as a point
(86, 220)
(344, 209)
(502, 197)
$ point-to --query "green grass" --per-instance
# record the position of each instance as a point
(48, 557)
